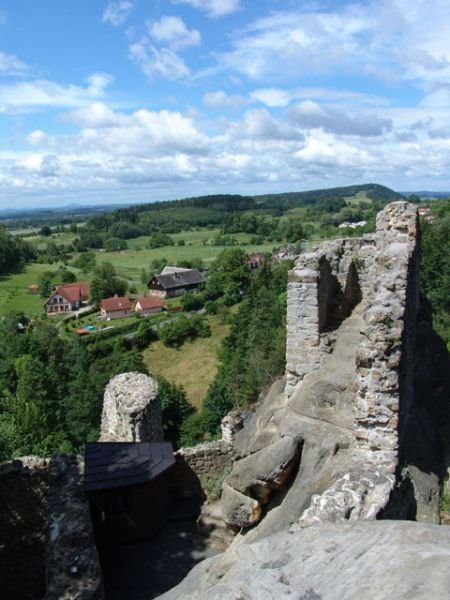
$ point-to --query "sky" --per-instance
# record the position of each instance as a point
(144, 100)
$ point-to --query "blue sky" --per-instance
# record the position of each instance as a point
(143, 100)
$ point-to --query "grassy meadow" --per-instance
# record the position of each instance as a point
(13, 290)
(193, 366)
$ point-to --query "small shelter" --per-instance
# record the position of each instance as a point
(128, 488)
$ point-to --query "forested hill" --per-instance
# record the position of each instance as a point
(268, 202)
(212, 209)
(372, 191)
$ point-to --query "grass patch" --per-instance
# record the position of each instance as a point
(13, 290)
(193, 366)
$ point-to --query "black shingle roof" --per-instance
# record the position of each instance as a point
(180, 279)
(118, 464)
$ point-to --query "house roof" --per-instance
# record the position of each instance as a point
(116, 303)
(117, 464)
(148, 302)
(178, 279)
(72, 292)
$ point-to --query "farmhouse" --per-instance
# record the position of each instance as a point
(67, 298)
(115, 308)
(148, 305)
(174, 281)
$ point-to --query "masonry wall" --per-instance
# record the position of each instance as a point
(322, 289)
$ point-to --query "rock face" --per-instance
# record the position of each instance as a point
(351, 433)
(349, 561)
(131, 410)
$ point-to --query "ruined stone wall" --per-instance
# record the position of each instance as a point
(322, 289)
(350, 400)
(209, 459)
(384, 360)
(23, 528)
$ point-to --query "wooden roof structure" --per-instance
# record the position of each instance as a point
(118, 464)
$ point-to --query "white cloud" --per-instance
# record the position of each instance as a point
(172, 31)
(11, 65)
(309, 115)
(388, 40)
(143, 133)
(258, 124)
(117, 13)
(213, 8)
(220, 100)
(158, 63)
(43, 93)
(280, 98)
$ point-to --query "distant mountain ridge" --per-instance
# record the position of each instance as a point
(217, 201)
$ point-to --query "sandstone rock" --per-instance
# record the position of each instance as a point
(345, 561)
(238, 509)
(131, 410)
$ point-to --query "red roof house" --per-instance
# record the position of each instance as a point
(67, 298)
(148, 305)
(115, 308)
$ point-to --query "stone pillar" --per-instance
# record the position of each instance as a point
(302, 345)
(131, 410)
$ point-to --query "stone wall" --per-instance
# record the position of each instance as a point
(23, 528)
(323, 288)
(209, 459)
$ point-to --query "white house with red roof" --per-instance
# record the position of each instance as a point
(67, 298)
(117, 307)
(147, 305)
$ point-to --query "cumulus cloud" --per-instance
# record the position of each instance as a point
(143, 133)
(213, 8)
(172, 31)
(220, 100)
(309, 115)
(116, 13)
(42, 93)
(156, 62)
(258, 124)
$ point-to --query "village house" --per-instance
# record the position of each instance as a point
(175, 281)
(117, 307)
(67, 298)
(148, 305)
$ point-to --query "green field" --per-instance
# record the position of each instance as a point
(13, 290)
(129, 263)
(193, 366)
